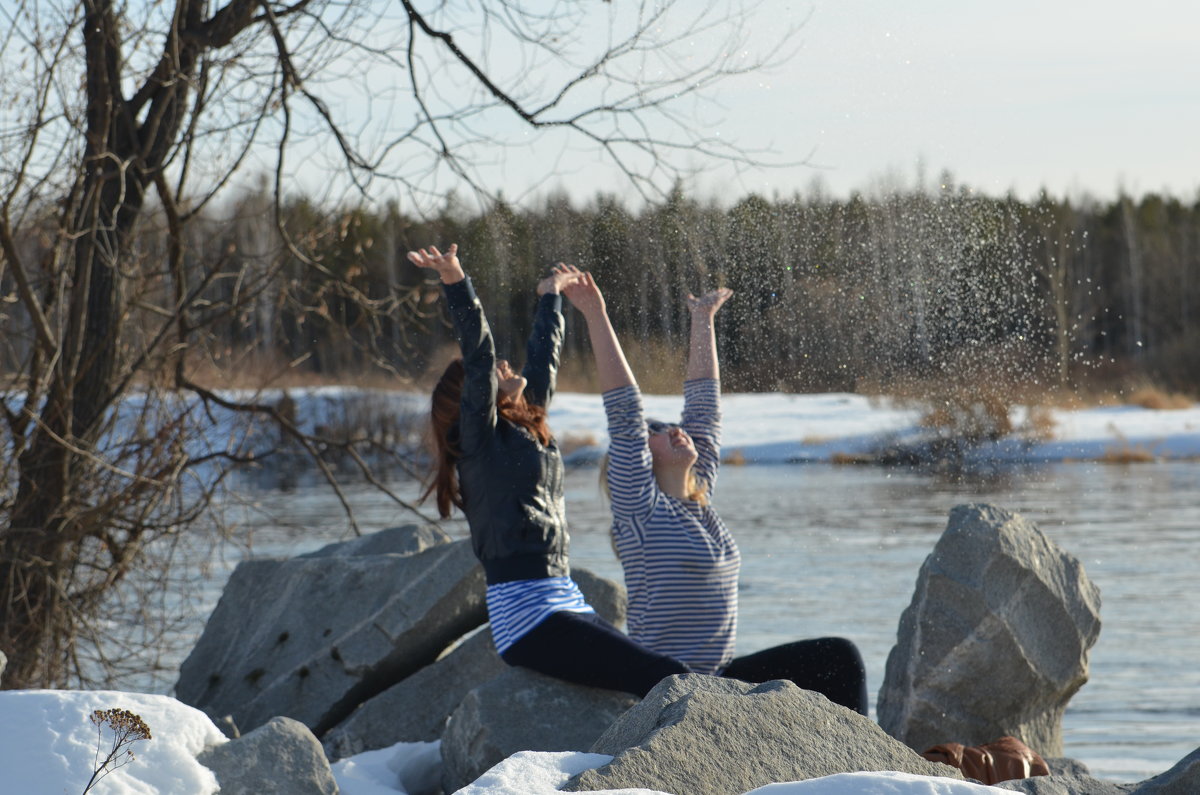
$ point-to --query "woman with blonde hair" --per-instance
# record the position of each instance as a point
(497, 461)
(681, 563)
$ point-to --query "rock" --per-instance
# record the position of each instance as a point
(1067, 784)
(1182, 779)
(641, 721)
(312, 638)
(704, 735)
(282, 757)
(521, 710)
(1065, 765)
(227, 726)
(606, 597)
(408, 539)
(996, 638)
(416, 709)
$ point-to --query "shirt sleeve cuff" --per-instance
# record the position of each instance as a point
(621, 396)
(551, 301)
(702, 387)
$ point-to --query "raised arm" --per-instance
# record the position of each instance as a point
(477, 420)
(612, 369)
(701, 391)
(630, 475)
(545, 339)
(702, 353)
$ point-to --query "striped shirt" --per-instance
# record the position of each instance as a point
(681, 563)
(517, 606)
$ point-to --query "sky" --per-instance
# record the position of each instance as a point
(1077, 98)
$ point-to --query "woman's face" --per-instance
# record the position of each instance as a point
(511, 384)
(671, 446)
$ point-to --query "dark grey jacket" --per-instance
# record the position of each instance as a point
(512, 486)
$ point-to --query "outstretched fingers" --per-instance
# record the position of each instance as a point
(421, 258)
(584, 294)
(561, 277)
(432, 257)
(446, 264)
(569, 274)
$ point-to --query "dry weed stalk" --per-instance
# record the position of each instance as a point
(127, 728)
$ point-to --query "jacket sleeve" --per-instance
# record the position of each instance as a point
(542, 351)
(477, 420)
(702, 421)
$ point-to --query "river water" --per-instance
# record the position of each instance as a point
(831, 550)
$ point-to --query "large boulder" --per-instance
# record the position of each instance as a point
(281, 757)
(416, 709)
(996, 639)
(704, 735)
(311, 638)
(606, 597)
(521, 710)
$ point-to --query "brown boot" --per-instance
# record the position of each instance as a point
(1002, 759)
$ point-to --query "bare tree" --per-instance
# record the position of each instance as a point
(122, 116)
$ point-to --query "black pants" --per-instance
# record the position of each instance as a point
(830, 666)
(585, 649)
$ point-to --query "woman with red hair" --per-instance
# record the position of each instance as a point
(497, 461)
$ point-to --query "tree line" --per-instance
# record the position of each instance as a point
(865, 293)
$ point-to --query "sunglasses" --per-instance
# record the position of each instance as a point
(656, 427)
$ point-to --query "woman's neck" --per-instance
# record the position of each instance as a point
(674, 482)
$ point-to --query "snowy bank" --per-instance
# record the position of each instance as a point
(48, 746)
(774, 428)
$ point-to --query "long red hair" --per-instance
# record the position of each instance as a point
(445, 408)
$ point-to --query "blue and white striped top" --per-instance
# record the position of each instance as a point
(681, 563)
(517, 606)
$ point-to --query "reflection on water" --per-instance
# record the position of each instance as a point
(835, 550)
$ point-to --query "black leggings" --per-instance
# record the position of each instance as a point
(830, 666)
(585, 649)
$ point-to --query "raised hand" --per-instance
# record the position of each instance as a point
(559, 279)
(585, 296)
(710, 302)
(702, 348)
(446, 265)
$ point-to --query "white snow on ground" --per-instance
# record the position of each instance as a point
(780, 428)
